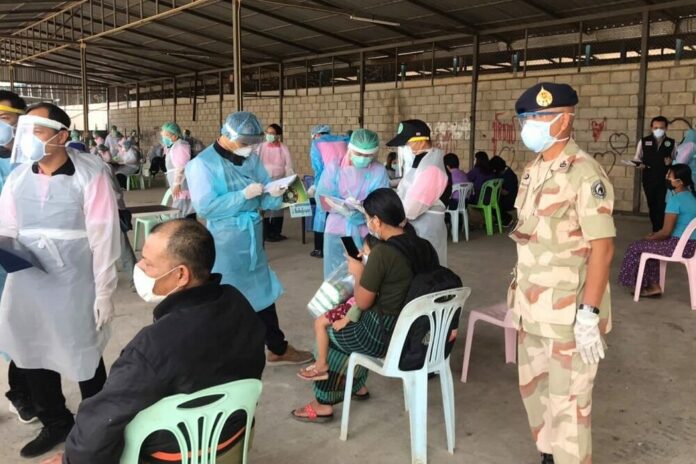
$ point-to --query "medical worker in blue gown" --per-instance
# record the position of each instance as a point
(226, 181)
(350, 181)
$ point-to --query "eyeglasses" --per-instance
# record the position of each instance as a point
(523, 118)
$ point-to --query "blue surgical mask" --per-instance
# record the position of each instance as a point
(167, 141)
(536, 135)
(6, 133)
(360, 162)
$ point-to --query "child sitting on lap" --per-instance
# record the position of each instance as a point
(338, 318)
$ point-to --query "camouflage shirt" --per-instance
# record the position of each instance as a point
(562, 206)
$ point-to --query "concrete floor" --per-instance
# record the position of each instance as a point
(644, 406)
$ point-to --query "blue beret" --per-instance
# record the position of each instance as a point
(546, 95)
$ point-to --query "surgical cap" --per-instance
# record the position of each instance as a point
(127, 144)
(243, 127)
(364, 141)
(321, 129)
(172, 127)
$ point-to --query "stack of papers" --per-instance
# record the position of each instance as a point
(284, 183)
(632, 163)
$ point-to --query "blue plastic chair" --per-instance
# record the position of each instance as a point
(200, 427)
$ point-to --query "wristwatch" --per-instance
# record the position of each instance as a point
(590, 308)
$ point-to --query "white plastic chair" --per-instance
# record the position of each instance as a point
(440, 308)
(464, 190)
(500, 316)
(677, 257)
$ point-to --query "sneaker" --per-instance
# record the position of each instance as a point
(49, 437)
(25, 412)
(317, 254)
(291, 356)
(546, 458)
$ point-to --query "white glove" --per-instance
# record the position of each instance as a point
(103, 311)
(253, 191)
(277, 191)
(311, 191)
(588, 340)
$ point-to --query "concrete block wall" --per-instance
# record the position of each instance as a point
(605, 123)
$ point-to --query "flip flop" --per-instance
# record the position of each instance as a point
(311, 416)
(651, 295)
(311, 373)
(363, 397)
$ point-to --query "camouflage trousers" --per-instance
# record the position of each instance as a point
(556, 388)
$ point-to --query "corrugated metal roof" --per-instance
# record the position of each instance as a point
(199, 39)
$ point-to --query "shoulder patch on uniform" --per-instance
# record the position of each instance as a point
(599, 190)
(668, 143)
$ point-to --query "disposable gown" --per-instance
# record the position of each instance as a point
(70, 223)
(4, 173)
(686, 152)
(278, 163)
(216, 186)
(346, 181)
(326, 150)
(178, 156)
(420, 191)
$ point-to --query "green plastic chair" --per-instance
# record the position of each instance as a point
(146, 224)
(203, 424)
(491, 190)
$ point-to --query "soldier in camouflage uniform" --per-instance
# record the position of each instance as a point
(560, 294)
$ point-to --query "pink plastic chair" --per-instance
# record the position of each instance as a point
(677, 257)
(498, 315)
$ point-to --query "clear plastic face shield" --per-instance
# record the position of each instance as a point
(33, 135)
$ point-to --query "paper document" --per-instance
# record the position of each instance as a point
(344, 207)
(284, 182)
(632, 163)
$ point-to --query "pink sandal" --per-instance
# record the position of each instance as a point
(311, 416)
(311, 373)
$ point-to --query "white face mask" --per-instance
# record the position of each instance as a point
(244, 152)
(536, 135)
(658, 133)
(35, 148)
(145, 285)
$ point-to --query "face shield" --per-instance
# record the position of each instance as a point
(32, 136)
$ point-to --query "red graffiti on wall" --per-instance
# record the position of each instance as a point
(598, 128)
(503, 132)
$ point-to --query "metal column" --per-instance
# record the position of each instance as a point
(474, 91)
(237, 54)
(281, 92)
(640, 118)
(220, 96)
(526, 49)
(579, 46)
(137, 109)
(12, 79)
(361, 116)
(174, 90)
(108, 106)
(85, 90)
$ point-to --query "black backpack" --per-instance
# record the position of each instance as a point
(429, 277)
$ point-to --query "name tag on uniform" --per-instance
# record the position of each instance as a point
(648, 143)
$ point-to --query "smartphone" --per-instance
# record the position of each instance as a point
(350, 247)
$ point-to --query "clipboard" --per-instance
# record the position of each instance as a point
(15, 257)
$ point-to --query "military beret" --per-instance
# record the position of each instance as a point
(546, 95)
